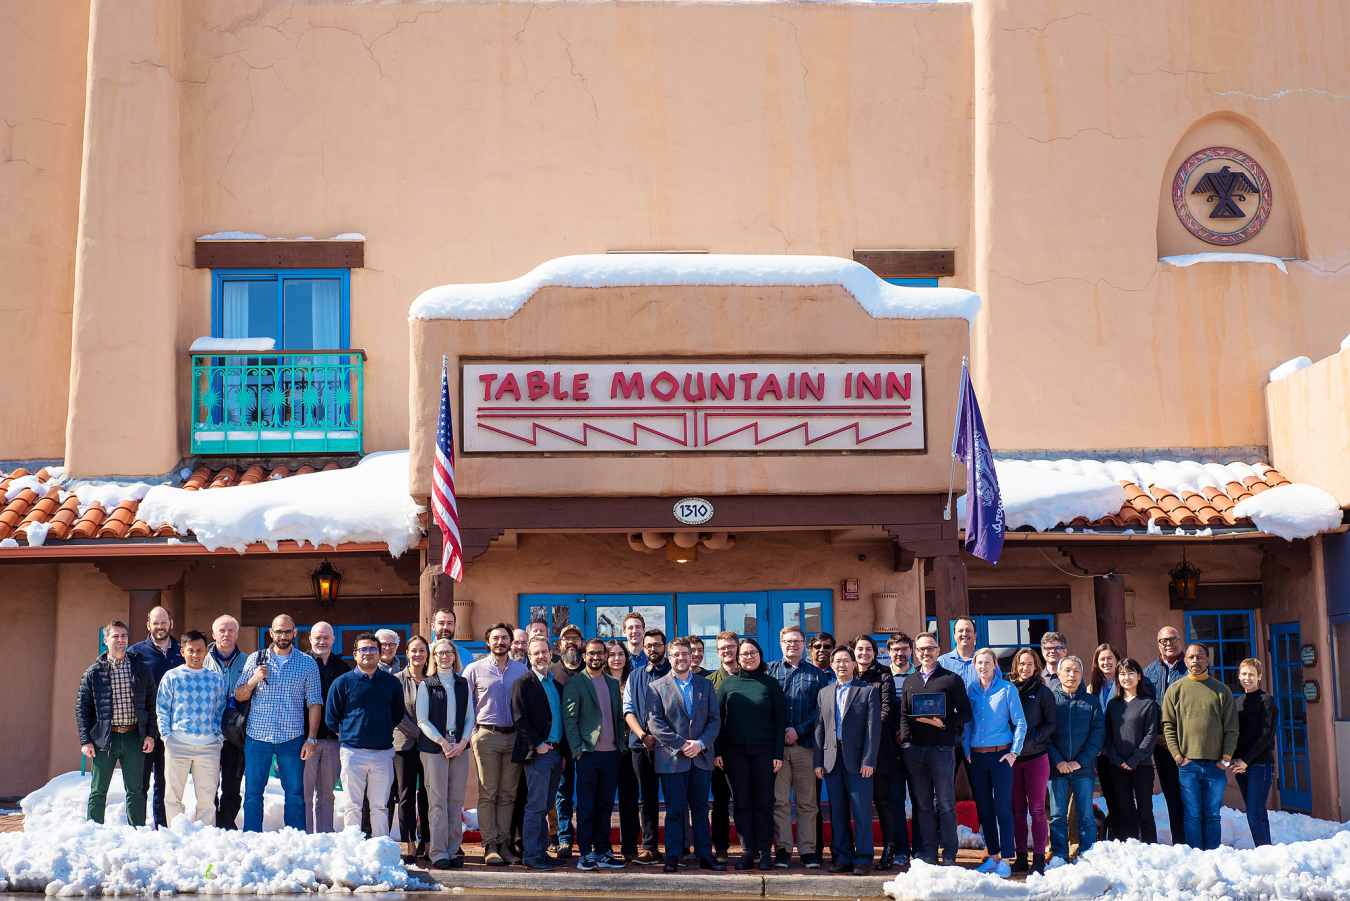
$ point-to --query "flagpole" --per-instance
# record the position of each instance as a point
(956, 430)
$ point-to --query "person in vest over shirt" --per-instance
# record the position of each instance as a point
(115, 714)
(445, 718)
(1254, 757)
(1080, 730)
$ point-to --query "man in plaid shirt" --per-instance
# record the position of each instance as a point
(801, 683)
(283, 722)
(115, 716)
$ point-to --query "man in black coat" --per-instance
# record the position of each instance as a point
(115, 715)
(536, 708)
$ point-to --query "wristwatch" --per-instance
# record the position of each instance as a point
(312, 741)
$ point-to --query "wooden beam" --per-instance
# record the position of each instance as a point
(1011, 601)
(1109, 594)
(280, 254)
(145, 573)
(949, 574)
(380, 608)
(908, 263)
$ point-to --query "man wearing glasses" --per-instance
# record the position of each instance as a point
(1159, 675)
(1053, 649)
(283, 722)
(822, 647)
(801, 683)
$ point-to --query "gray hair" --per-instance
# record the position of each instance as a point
(1068, 658)
(383, 635)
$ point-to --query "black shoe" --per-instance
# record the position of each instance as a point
(454, 863)
(949, 861)
(720, 855)
(747, 862)
(564, 852)
(1019, 864)
(708, 863)
(672, 864)
(781, 857)
(1038, 863)
(931, 861)
(553, 846)
(766, 861)
(588, 862)
(811, 861)
(538, 863)
(442, 864)
(887, 857)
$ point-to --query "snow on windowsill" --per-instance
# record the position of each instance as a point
(501, 300)
(1190, 259)
(249, 236)
(221, 345)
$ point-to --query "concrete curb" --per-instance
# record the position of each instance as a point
(669, 885)
(826, 886)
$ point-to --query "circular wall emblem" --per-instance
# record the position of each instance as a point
(1222, 196)
(693, 511)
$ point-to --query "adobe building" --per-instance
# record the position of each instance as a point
(702, 276)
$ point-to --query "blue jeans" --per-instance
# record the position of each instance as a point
(932, 771)
(563, 803)
(991, 783)
(542, 775)
(290, 769)
(1202, 785)
(687, 791)
(597, 778)
(1079, 785)
(850, 815)
(1255, 787)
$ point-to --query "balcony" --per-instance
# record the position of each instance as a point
(278, 403)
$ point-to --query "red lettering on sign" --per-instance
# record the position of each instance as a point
(895, 386)
(579, 391)
(690, 395)
(508, 384)
(728, 388)
(792, 385)
(848, 384)
(664, 376)
(817, 389)
(487, 381)
(748, 378)
(872, 386)
(770, 384)
(558, 392)
(627, 387)
(536, 384)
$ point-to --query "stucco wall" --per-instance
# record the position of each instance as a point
(1310, 425)
(28, 608)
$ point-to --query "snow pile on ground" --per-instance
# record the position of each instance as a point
(1288, 368)
(1292, 511)
(60, 853)
(211, 345)
(1190, 259)
(501, 300)
(368, 502)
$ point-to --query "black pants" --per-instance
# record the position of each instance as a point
(885, 805)
(1170, 780)
(155, 760)
(1132, 793)
(721, 812)
(412, 796)
(649, 790)
(1109, 796)
(231, 780)
(820, 821)
(750, 772)
(629, 828)
(518, 812)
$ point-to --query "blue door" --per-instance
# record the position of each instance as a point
(558, 610)
(1287, 687)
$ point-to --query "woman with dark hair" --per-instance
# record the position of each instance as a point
(1102, 686)
(409, 783)
(618, 660)
(873, 673)
(1131, 735)
(750, 749)
(1031, 772)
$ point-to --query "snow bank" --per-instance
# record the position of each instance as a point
(1040, 493)
(211, 345)
(60, 853)
(30, 482)
(233, 236)
(501, 300)
(1288, 368)
(1291, 511)
(106, 494)
(368, 502)
(1190, 259)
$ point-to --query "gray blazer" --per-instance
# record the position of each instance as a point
(861, 736)
(668, 722)
(406, 733)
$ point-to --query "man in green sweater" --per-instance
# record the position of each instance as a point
(1200, 724)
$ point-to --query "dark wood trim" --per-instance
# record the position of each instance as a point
(1010, 601)
(379, 608)
(908, 263)
(280, 254)
(1221, 596)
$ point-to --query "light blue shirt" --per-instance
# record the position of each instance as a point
(840, 690)
(1107, 693)
(554, 706)
(686, 687)
(962, 666)
(996, 716)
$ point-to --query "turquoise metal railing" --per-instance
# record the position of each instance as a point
(278, 403)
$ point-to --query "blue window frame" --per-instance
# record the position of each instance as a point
(913, 282)
(1230, 638)
(599, 615)
(1286, 685)
(1340, 663)
(302, 309)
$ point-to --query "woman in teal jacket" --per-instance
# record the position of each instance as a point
(993, 739)
(1080, 732)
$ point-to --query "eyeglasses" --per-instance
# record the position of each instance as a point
(1053, 647)
(793, 641)
(1169, 641)
(822, 647)
(927, 650)
(283, 631)
(370, 651)
(445, 653)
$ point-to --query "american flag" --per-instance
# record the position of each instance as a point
(443, 488)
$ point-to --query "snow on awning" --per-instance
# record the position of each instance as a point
(882, 300)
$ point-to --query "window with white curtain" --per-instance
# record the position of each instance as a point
(299, 309)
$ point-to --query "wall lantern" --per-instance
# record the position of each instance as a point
(677, 554)
(327, 581)
(1185, 579)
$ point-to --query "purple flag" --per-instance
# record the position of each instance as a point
(984, 505)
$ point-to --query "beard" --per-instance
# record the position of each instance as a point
(571, 658)
(519, 656)
(282, 643)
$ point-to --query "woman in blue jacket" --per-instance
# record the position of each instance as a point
(993, 739)
(1080, 731)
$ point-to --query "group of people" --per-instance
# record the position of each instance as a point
(559, 737)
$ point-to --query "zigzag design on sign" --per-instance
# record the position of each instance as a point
(806, 432)
(586, 428)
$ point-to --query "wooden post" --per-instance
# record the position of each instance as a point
(434, 590)
(949, 577)
(1109, 594)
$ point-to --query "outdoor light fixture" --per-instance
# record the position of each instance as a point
(327, 581)
(677, 554)
(1185, 579)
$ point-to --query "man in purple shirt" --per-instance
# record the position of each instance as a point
(494, 738)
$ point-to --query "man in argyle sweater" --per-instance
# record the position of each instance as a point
(190, 703)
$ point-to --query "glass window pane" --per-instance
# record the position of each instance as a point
(313, 313)
(609, 622)
(1340, 644)
(812, 620)
(741, 618)
(655, 618)
(1003, 632)
(704, 620)
(1235, 625)
(249, 309)
(537, 613)
(792, 616)
(562, 617)
(1204, 627)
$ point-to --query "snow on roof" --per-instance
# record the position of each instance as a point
(1190, 259)
(1292, 511)
(233, 236)
(1288, 368)
(368, 502)
(211, 345)
(882, 300)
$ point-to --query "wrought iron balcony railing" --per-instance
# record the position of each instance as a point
(278, 402)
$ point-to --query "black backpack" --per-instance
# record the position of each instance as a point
(234, 723)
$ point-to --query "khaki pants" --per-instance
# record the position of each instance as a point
(497, 779)
(321, 774)
(796, 777)
(367, 774)
(203, 762)
(445, 781)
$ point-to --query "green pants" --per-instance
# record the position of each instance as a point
(126, 747)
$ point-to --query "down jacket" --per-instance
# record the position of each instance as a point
(93, 711)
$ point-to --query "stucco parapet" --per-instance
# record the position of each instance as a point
(1249, 453)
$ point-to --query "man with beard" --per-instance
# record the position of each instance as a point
(643, 743)
(224, 657)
(721, 787)
(520, 639)
(443, 624)
(161, 653)
(494, 740)
(568, 664)
(321, 770)
(283, 723)
(593, 726)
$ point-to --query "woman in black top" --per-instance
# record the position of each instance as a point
(873, 673)
(1031, 772)
(1254, 757)
(619, 663)
(1131, 734)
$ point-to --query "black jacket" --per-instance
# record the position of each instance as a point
(958, 709)
(881, 677)
(335, 667)
(438, 705)
(93, 710)
(1131, 731)
(532, 715)
(1038, 706)
(1257, 717)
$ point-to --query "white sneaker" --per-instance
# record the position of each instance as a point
(1003, 870)
(988, 866)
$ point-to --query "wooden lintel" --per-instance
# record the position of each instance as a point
(908, 263)
(280, 254)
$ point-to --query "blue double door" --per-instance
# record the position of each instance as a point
(1286, 685)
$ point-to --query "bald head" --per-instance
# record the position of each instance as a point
(283, 634)
(321, 639)
(159, 624)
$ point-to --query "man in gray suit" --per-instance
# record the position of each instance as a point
(848, 735)
(683, 716)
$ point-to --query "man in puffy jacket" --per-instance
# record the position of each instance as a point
(115, 715)
(1079, 733)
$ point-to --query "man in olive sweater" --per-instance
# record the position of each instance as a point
(1200, 723)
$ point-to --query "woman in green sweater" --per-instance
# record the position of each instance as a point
(750, 749)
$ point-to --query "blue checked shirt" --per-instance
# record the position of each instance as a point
(802, 685)
(281, 702)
